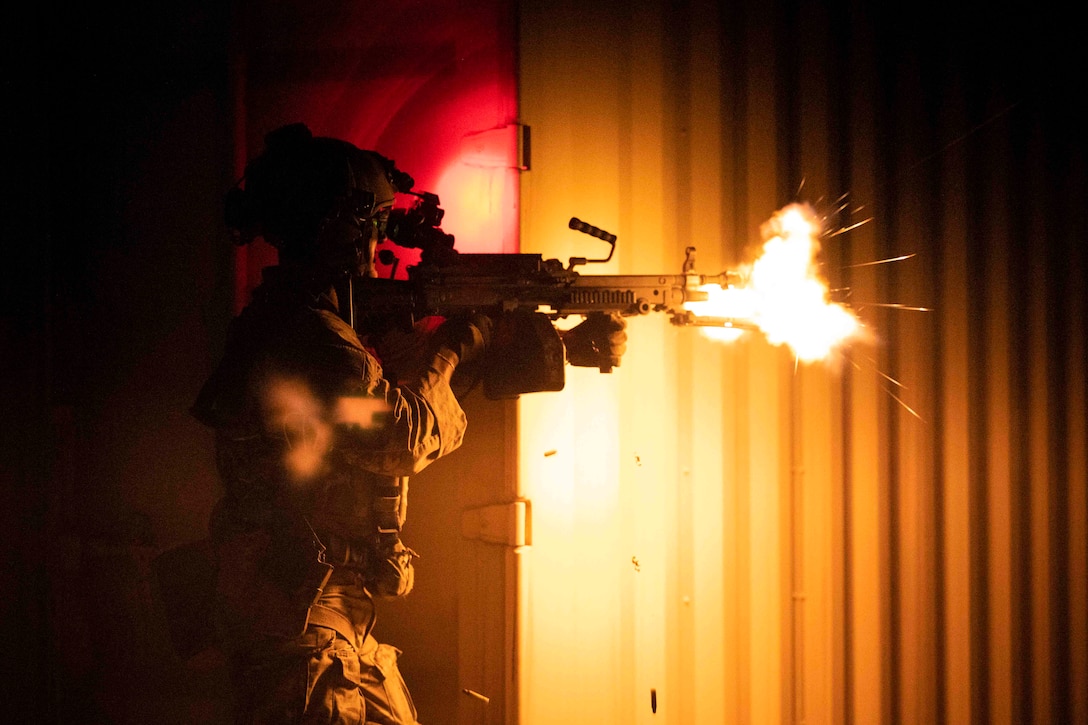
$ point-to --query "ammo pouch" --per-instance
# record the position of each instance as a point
(389, 568)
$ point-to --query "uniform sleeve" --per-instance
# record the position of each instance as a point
(423, 422)
(387, 429)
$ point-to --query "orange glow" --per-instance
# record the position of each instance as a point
(782, 292)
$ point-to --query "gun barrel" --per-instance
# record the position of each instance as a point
(690, 319)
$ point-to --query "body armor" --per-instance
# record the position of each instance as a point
(309, 495)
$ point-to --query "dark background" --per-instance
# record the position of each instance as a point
(116, 291)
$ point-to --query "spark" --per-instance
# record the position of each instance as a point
(842, 202)
(782, 295)
(885, 388)
(897, 306)
(850, 228)
(881, 261)
(890, 379)
(906, 407)
(961, 138)
(838, 210)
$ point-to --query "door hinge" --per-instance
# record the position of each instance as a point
(509, 524)
(505, 147)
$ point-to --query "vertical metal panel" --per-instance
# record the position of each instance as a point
(996, 350)
(903, 534)
(1076, 375)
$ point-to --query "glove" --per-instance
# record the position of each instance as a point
(597, 342)
(402, 353)
(466, 337)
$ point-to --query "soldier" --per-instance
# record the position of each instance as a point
(314, 444)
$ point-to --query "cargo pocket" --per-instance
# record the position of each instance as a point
(391, 572)
(387, 697)
(333, 693)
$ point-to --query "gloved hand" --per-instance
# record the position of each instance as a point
(466, 337)
(403, 353)
(597, 342)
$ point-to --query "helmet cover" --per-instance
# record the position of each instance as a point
(313, 197)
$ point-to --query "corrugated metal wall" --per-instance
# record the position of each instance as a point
(900, 537)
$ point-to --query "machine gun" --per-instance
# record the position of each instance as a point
(523, 294)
